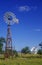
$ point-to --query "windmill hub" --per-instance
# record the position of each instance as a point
(10, 18)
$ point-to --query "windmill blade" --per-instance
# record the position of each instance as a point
(9, 17)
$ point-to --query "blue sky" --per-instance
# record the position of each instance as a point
(28, 32)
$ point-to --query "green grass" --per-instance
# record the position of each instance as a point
(22, 61)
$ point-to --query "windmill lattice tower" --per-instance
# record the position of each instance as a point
(10, 19)
(9, 42)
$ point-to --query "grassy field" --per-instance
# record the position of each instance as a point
(23, 60)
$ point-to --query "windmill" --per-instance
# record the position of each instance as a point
(10, 19)
(34, 50)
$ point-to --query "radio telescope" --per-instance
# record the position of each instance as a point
(10, 19)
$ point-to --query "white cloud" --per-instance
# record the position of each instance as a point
(27, 8)
(38, 30)
(24, 8)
